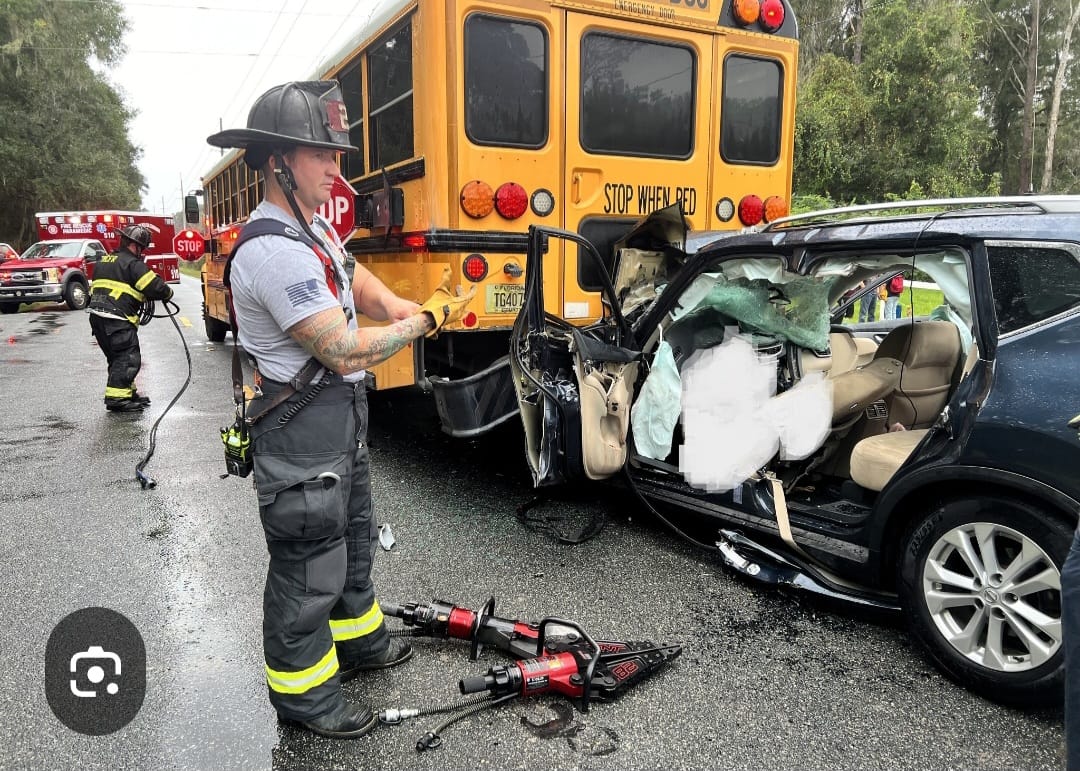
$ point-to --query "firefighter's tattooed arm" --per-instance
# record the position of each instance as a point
(327, 337)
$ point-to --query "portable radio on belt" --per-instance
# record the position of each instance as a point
(237, 443)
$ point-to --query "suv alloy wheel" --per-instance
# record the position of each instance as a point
(980, 580)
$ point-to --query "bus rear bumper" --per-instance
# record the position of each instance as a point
(478, 403)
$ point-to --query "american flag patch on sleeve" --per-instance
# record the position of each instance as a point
(304, 292)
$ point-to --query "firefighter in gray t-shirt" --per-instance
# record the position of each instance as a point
(293, 303)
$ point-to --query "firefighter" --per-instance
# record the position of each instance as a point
(294, 308)
(122, 282)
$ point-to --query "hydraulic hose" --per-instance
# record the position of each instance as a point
(146, 313)
(432, 739)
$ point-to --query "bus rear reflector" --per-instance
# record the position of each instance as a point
(746, 12)
(772, 15)
(751, 210)
(511, 200)
(775, 208)
(477, 199)
(475, 267)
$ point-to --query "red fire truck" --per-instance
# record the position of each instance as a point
(105, 226)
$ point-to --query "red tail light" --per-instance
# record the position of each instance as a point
(511, 200)
(415, 241)
(751, 210)
(772, 15)
(475, 267)
(469, 320)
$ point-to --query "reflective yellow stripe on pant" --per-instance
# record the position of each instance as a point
(304, 680)
(351, 628)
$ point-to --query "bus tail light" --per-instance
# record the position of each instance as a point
(475, 267)
(542, 202)
(746, 12)
(772, 15)
(751, 210)
(416, 242)
(775, 208)
(725, 209)
(469, 320)
(477, 199)
(511, 200)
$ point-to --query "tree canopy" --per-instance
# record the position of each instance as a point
(64, 140)
(931, 98)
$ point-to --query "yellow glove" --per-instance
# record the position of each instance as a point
(446, 307)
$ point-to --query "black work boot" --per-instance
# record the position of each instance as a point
(138, 397)
(397, 652)
(345, 721)
(124, 405)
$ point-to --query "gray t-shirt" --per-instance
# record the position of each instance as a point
(276, 283)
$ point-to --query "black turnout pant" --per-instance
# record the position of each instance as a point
(119, 341)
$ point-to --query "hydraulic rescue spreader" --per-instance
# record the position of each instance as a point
(554, 656)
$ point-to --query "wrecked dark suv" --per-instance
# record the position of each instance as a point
(922, 463)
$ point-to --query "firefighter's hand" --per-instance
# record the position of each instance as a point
(446, 307)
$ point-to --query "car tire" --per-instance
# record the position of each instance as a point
(9, 307)
(216, 330)
(980, 583)
(76, 295)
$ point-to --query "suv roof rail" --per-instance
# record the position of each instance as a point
(1041, 203)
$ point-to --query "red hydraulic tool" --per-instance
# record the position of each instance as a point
(555, 656)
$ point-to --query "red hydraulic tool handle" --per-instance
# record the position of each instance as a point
(443, 619)
(560, 673)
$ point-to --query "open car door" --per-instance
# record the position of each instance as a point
(575, 385)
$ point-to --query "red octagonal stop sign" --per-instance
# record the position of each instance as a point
(340, 210)
(189, 245)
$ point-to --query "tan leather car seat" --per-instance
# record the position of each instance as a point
(931, 355)
(876, 459)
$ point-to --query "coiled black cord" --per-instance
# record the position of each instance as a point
(432, 739)
(146, 311)
(304, 400)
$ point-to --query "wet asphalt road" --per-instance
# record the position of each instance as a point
(766, 680)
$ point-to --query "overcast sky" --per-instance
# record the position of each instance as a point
(190, 65)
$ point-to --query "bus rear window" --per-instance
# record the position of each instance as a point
(750, 110)
(637, 97)
(506, 74)
(391, 99)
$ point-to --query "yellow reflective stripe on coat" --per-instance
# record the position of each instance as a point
(306, 679)
(117, 288)
(144, 282)
(118, 393)
(351, 628)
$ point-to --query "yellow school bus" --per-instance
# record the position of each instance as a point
(475, 119)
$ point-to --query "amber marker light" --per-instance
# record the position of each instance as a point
(775, 208)
(477, 199)
(746, 12)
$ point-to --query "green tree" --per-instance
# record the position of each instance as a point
(905, 118)
(64, 141)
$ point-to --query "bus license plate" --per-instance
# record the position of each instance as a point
(504, 298)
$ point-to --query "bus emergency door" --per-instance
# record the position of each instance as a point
(637, 136)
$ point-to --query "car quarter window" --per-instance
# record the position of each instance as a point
(1032, 282)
